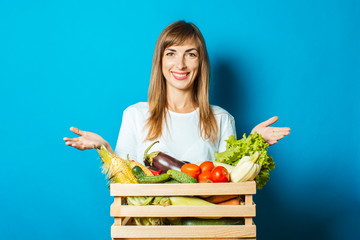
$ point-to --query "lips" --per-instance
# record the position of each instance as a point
(180, 75)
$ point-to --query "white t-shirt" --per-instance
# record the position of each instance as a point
(182, 139)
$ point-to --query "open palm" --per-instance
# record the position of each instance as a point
(271, 134)
(87, 140)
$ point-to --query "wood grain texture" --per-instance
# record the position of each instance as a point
(118, 202)
(124, 213)
(184, 189)
(183, 232)
(187, 238)
(248, 201)
(183, 211)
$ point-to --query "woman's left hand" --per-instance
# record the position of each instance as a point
(271, 134)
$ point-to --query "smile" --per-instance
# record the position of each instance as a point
(180, 76)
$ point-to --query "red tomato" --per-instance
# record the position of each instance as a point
(191, 169)
(220, 174)
(207, 166)
(204, 175)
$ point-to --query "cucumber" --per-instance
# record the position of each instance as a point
(154, 179)
(172, 181)
(221, 221)
(181, 177)
(138, 172)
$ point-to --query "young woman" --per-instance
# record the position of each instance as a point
(177, 113)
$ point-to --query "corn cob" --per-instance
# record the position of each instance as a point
(119, 164)
(119, 178)
(115, 167)
(145, 169)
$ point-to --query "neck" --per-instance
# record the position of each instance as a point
(180, 102)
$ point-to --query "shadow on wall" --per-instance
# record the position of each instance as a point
(227, 91)
(320, 219)
(316, 215)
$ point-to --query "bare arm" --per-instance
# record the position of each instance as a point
(87, 140)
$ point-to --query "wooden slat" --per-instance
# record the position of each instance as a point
(183, 211)
(118, 189)
(187, 238)
(248, 201)
(117, 202)
(125, 220)
(184, 232)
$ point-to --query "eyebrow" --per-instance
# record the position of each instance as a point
(187, 50)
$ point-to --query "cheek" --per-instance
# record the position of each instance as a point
(195, 68)
(165, 71)
(166, 66)
(163, 66)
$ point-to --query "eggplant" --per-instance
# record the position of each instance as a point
(160, 160)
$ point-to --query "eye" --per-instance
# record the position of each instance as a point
(192, 54)
(169, 54)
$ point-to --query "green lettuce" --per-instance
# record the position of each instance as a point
(236, 149)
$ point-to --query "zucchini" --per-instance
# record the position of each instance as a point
(184, 200)
(221, 221)
(181, 177)
(138, 172)
(154, 179)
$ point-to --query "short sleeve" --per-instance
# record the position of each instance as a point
(127, 139)
(227, 128)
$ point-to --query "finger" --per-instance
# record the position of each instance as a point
(272, 142)
(69, 139)
(280, 129)
(72, 139)
(77, 131)
(281, 132)
(269, 121)
(76, 145)
(279, 136)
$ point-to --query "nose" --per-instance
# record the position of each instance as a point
(180, 63)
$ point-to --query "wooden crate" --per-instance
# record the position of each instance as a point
(123, 214)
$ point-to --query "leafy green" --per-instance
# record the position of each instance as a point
(236, 149)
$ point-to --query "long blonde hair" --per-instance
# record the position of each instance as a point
(176, 34)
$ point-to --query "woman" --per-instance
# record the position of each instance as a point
(177, 113)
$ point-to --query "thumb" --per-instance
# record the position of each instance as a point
(269, 121)
(77, 131)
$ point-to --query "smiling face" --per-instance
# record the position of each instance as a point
(180, 66)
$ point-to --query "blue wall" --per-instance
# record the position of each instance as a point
(81, 63)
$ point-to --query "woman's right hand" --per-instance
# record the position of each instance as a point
(87, 140)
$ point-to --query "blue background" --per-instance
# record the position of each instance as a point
(81, 63)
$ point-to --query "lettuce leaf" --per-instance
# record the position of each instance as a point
(236, 149)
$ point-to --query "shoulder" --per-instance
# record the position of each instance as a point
(223, 117)
(138, 109)
(220, 112)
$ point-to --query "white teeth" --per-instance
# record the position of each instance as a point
(180, 75)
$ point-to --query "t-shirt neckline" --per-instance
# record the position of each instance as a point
(183, 114)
